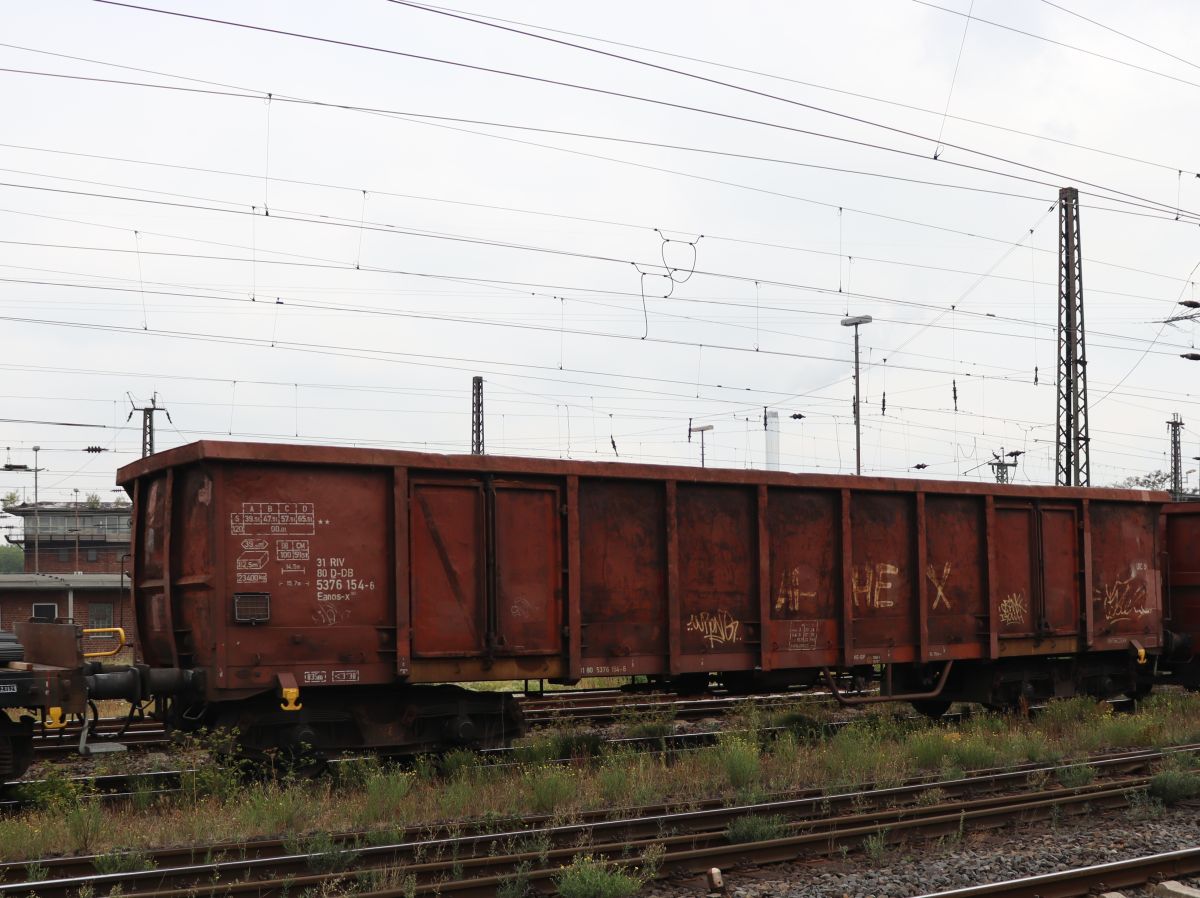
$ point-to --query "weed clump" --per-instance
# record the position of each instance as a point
(650, 724)
(123, 862)
(550, 787)
(1075, 776)
(1172, 786)
(385, 791)
(590, 877)
(756, 828)
(740, 760)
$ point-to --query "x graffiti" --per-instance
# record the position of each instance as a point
(939, 585)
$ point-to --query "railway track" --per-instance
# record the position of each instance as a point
(476, 858)
(1130, 873)
(541, 710)
(546, 711)
(65, 742)
(596, 707)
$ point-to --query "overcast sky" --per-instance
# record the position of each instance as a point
(333, 264)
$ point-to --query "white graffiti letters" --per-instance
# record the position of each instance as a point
(939, 585)
(1125, 599)
(1014, 608)
(791, 597)
(870, 584)
(715, 628)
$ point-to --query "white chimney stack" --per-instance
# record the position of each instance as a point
(772, 437)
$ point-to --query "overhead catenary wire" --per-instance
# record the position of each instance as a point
(1040, 37)
(534, 212)
(1123, 34)
(333, 222)
(857, 94)
(937, 150)
(418, 119)
(1117, 194)
(412, 4)
(353, 283)
(513, 286)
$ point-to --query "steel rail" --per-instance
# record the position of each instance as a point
(1105, 877)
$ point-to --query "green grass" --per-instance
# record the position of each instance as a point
(589, 877)
(1076, 776)
(380, 801)
(1172, 786)
(753, 828)
(549, 788)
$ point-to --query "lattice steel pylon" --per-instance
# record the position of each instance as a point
(148, 413)
(477, 415)
(1072, 467)
(1176, 425)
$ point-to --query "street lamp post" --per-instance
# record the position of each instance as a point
(37, 515)
(855, 321)
(702, 430)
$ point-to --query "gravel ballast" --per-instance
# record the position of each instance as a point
(921, 868)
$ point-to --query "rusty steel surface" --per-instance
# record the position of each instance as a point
(372, 564)
(718, 599)
(50, 644)
(389, 458)
(623, 581)
(1182, 577)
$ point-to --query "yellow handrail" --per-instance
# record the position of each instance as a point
(94, 631)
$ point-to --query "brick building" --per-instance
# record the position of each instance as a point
(73, 538)
(91, 600)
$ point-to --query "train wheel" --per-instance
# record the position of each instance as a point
(1140, 690)
(933, 708)
(690, 684)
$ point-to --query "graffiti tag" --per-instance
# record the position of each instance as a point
(1125, 599)
(328, 615)
(870, 584)
(1014, 608)
(791, 597)
(939, 585)
(718, 628)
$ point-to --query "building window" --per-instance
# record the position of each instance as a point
(93, 555)
(64, 554)
(100, 614)
(47, 611)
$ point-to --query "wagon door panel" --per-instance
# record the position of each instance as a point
(623, 577)
(882, 594)
(1060, 570)
(449, 605)
(955, 573)
(1016, 569)
(718, 574)
(1126, 600)
(529, 570)
(806, 587)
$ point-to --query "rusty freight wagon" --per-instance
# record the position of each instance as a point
(330, 595)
